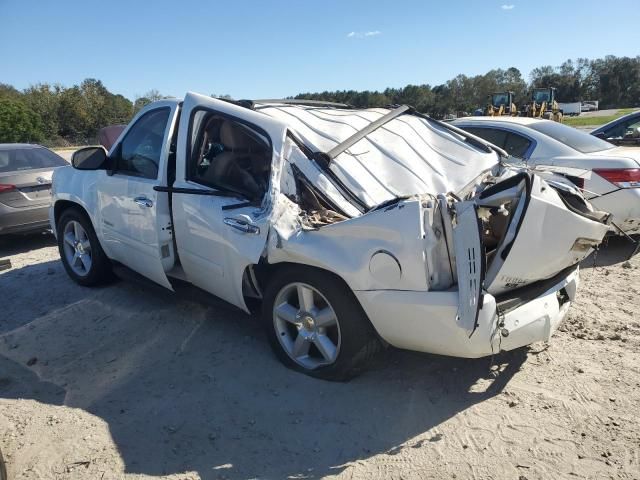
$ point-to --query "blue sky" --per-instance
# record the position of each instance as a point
(258, 49)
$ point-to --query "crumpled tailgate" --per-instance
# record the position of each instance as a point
(544, 237)
(545, 232)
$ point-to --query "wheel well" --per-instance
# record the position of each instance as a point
(262, 271)
(256, 277)
(62, 205)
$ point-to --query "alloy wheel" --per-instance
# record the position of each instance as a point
(306, 326)
(77, 248)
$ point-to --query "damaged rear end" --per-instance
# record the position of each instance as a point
(493, 266)
(518, 243)
(501, 268)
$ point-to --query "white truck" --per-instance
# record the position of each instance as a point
(571, 109)
(348, 229)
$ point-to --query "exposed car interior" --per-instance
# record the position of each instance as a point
(231, 156)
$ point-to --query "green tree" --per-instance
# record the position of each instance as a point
(142, 101)
(7, 91)
(44, 100)
(73, 118)
(18, 123)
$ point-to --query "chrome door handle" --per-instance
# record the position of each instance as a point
(242, 225)
(143, 201)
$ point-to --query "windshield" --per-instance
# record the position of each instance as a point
(19, 159)
(500, 99)
(574, 138)
(540, 96)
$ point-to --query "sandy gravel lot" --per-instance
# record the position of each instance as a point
(127, 381)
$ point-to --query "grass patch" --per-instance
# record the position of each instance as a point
(595, 121)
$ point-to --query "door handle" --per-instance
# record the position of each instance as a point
(242, 225)
(143, 201)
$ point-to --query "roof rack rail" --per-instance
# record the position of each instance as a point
(311, 103)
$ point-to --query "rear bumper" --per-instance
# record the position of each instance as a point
(624, 205)
(19, 220)
(426, 321)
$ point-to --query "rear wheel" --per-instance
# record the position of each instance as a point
(80, 251)
(315, 324)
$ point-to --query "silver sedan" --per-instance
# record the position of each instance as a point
(25, 186)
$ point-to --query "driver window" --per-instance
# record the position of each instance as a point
(633, 129)
(617, 131)
(229, 156)
(139, 153)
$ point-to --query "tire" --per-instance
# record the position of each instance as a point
(95, 271)
(286, 320)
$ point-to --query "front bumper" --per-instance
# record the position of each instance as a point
(426, 321)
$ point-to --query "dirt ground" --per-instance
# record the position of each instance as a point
(127, 381)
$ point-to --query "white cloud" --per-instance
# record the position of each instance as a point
(370, 33)
(508, 7)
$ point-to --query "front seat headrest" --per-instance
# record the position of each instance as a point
(235, 137)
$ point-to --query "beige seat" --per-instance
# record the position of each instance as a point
(235, 168)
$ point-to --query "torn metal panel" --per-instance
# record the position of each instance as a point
(470, 263)
(348, 247)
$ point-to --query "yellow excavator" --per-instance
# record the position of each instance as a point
(500, 103)
(543, 105)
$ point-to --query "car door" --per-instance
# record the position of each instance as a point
(222, 220)
(134, 218)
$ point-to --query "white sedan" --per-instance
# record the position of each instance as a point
(608, 175)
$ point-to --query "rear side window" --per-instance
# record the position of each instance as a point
(21, 159)
(491, 135)
(516, 145)
(139, 153)
(574, 138)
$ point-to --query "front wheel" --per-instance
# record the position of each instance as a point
(316, 326)
(80, 251)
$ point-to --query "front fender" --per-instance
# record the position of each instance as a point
(78, 187)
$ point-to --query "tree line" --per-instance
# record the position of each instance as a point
(614, 81)
(56, 115)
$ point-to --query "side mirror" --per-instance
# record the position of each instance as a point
(90, 158)
(600, 135)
